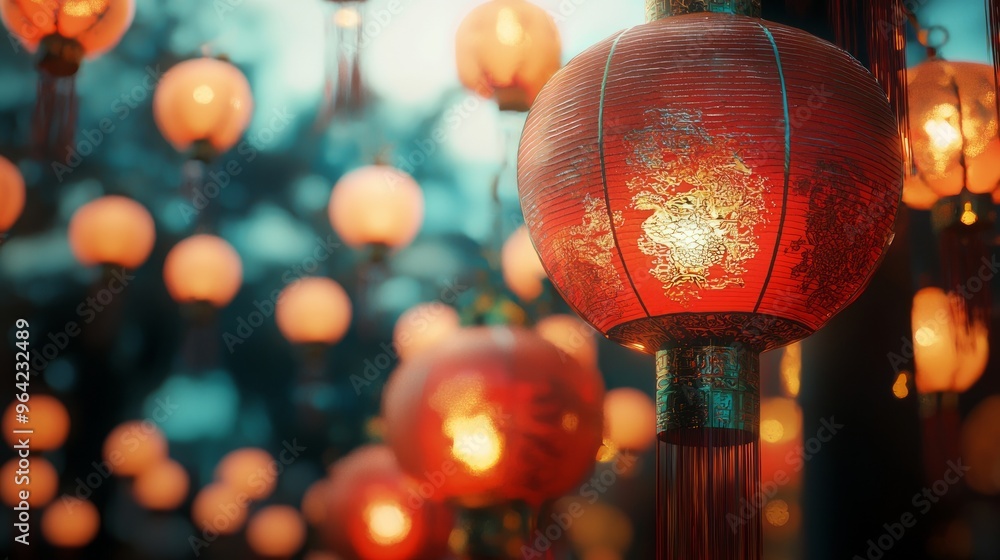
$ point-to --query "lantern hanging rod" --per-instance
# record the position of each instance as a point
(926, 34)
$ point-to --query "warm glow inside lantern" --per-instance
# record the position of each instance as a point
(70, 522)
(422, 327)
(697, 189)
(313, 311)
(276, 532)
(161, 487)
(629, 419)
(377, 205)
(11, 194)
(247, 471)
(503, 409)
(133, 447)
(41, 481)
(781, 435)
(522, 271)
(203, 268)
(48, 421)
(950, 354)
(112, 230)
(376, 512)
(507, 49)
(203, 104)
(571, 335)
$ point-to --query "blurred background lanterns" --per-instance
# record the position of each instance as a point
(512, 418)
(780, 435)
(422, 327)
(248, 471)
(601, 532)
(343, 88)
(203, 268)
(48, 421)
(276, 532)
(376, 512)
(202, 106)
(377, 206)
(220, 508)
(42, 482)
(507, 50)
(629, 420)
(522, 271)
(113, 231)
(571, 335)
(665, 228)
(70, 522)
(134, 447)
(12, 195)
(161, 487)
(313, 310)
(980, 444)
(950, 354)
(62, 33)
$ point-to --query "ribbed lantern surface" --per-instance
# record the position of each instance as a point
(710, 177)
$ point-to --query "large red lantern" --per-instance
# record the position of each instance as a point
(706, 187)
(375, 511)
(500, 412)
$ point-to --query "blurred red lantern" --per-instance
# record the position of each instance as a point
(48, 421)
(133, 447)
(63, 33)
(522, 271)
(70, 522)
(949, 354)
(376, 512)
(41, 482)
(204, 105)
(313, 311)
(250, 471)
(377, 205)
(161, 487)
(781, 437)
(424, 326)
(571, 335)
(203, 268)
(508, 49)
(276, 532)
(696, 189)
(11, 194)
(112, 230)
(500, 412)
(220, 508)
(629, 419)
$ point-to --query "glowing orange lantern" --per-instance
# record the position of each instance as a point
(781, 436)
(422, 327)
(133, 447)
(162, 487)
(203, 268)
(248, 470)
(203, 104)
(508, 49)
(376, 512)
(572, 336)
(377, 205)
(522, 271)
(70, 522)
(314, 502)
(502, 409)
(11, 194)
(219, 507)
(629, 419)
(47, 418)
(950, 355)
(313, 310)
(40, 480)
(276, 532)
(112, 230)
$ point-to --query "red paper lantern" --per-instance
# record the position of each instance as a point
(500, 412)
(706, 187)
(375, 512)
(11, 194)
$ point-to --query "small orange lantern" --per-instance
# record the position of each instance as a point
(203, 268)
(378, 513)
(250, 471)
(11, 194)
(522, 270)
(314, 502)
(423, 326)
(204, 104)
(70, 522)
(41, 481)
(572, 336)
(47, 418)
(629, 419)
(133, 447)
(112, 230)
(313, 310)
(377, 205)
(780, 436)
(950, 355)
(508, 49)
(162, 487)
(276, 532)
(220, 508)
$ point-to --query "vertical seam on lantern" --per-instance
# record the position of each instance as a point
(788, 165)
(604, 171)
